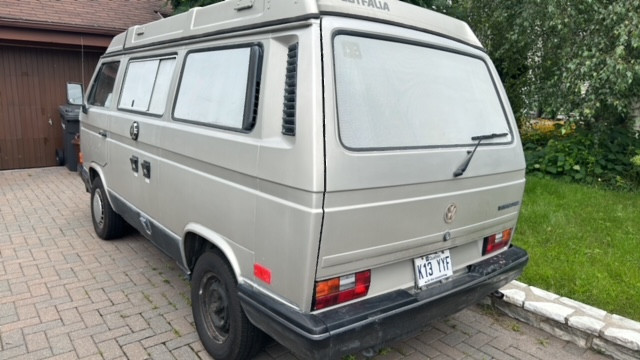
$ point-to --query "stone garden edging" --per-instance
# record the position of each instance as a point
(570, 320)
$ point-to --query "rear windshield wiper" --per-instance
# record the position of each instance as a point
(463, 167)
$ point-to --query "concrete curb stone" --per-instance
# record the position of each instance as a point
(569, 320)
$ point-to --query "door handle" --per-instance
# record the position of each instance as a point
(146, 169)
(134, 163)
(103, 133)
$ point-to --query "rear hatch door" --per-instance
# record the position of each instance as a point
(404, 109)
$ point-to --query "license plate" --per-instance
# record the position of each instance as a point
(432, 267)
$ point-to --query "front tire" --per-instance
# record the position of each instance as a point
(107, 223)
(224, 329)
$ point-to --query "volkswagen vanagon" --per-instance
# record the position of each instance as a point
(333, 173)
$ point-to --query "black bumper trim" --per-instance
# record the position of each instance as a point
(86, 179)
(381, 319)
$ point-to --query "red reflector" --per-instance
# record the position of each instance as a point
(341, 289)
(262, 273)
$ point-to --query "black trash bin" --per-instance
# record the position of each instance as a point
(70, 115)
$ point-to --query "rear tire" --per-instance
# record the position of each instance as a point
(106, 222)
(224, 329)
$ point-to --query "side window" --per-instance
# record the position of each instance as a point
(102, 87)
(220, 88)
(146, 85)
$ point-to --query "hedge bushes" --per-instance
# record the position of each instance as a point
(607, 157)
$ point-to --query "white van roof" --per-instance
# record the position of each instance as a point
(237, 15)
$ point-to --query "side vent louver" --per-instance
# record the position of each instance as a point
(290, 89)
(254, 113)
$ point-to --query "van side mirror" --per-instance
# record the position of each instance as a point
(74, 94)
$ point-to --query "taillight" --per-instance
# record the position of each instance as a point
(496, 242)
(341, 289)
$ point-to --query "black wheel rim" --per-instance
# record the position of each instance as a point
(214, 307)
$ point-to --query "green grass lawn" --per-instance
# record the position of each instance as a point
(584, 243)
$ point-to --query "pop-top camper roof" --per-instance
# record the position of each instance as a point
(237, 15)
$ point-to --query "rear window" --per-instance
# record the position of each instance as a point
(393, 95)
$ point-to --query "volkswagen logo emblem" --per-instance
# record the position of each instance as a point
(134, 130)
(450, 213)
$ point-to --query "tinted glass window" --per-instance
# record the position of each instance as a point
(102, 88)
(398, 95)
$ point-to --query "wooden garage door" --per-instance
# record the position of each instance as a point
(32, 86)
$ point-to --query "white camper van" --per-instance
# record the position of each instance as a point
(333, 173)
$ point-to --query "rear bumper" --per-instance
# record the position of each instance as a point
(381, 319)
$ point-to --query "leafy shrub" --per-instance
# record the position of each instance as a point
(635, 173)
(600, 157)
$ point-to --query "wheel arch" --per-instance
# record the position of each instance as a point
(199, 239)
(95, 172)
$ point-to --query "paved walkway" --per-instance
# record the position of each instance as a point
(66, 294)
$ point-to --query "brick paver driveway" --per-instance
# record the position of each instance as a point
(66, 294)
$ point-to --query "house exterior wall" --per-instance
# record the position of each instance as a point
(32, 86)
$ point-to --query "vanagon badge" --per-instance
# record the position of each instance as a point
(450, 213)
